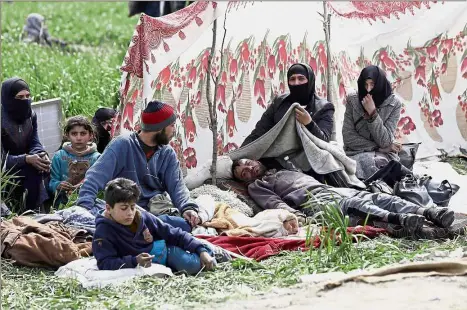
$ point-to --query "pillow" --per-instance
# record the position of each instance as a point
(224, 170)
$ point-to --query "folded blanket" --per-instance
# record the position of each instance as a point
(289, 138)
(268, 223)
(85, 271)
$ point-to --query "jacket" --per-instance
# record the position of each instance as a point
(115, 246)
(366, 135)
(124, 157)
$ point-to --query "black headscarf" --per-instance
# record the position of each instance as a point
(305, 93)
(382, 89)
(103, 134)
(17, 109)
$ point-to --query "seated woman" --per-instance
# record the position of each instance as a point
(370, 122)
(22, 153)
(103, 120)
(317, 114)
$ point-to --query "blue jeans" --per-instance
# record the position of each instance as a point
(176, 258)
(176, 221)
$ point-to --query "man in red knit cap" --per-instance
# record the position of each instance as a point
(146, 158)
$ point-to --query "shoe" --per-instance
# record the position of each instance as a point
(411, 222)
(442, 217)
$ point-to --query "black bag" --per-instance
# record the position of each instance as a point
(389, 174)
(411, 189)
(408, 153)
(441, 193)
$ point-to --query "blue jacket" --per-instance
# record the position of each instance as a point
(67, 165)
(115, 246)
(124, 157)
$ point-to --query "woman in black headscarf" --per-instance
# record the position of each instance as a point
(316, 114)
(22, 152)
(103, 121)
(370, 122)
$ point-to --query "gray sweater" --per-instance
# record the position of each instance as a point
(366, 135)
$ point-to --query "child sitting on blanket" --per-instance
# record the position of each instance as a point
(126, 237)
(76, 156)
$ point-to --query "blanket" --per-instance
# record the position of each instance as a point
(227, 197)
(85, 271)
(268, 223)
(32, 244)
(260, 248)
(289, 138)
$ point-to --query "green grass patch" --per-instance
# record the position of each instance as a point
(27, 288)
(85, 79)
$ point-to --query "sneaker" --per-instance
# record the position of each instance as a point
(412, 222)
(442, 217)
(218, 253)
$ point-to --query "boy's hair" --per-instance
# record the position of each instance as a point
(121, 190)
(235, 164)
(79, 120)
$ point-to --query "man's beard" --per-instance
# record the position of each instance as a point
(161, 138)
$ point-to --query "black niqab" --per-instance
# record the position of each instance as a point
(382, 88)
(305, 93)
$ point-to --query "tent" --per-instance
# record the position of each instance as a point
(420, 44)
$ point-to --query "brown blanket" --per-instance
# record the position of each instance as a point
(32, 244)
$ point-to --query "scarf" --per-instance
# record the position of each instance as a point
(382, 89)
(305, 93)
(18, 110)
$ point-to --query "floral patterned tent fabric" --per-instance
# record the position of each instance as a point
(422, 50)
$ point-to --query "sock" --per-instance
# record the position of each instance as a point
(394, 218)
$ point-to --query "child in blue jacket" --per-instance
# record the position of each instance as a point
(126, 237)
(71, 162)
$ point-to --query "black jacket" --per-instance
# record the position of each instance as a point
(321, 110)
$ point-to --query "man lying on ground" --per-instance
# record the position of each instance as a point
(126, 237)
(289, 190)
(147, 159)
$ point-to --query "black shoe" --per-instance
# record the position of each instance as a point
(411, 222)
(442, 217)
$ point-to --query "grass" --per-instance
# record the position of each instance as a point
(39, 289)
(85, 79)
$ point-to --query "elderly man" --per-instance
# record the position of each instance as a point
(289, 190)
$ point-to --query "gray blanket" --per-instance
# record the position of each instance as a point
(289, 138)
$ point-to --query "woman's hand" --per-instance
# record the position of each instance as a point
(369, 104)
(302, 116)
(41, 164)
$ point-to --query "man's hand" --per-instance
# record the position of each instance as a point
(192, 217)
(302, 116)
(207, 261)
(65, 186)
(41, 164)
(369, 105)
(144, 259)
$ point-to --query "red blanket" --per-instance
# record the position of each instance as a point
(260, 248)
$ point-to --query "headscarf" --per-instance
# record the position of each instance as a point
(103, 134)
(17, 109)
(36, 29)
(305, 93)
(382, 88)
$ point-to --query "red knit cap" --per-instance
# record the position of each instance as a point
(157, 116)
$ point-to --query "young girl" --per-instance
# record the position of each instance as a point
(70, 164)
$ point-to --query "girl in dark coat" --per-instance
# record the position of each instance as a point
(22, 153)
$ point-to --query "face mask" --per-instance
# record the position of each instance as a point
(299, 93)
(19, 109)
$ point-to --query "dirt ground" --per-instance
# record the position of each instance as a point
(415, 293)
